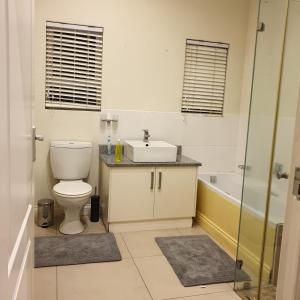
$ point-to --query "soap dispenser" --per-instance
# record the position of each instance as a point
(118, 151)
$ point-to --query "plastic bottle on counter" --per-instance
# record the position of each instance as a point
(118, 151)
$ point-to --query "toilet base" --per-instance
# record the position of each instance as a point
(71, 223)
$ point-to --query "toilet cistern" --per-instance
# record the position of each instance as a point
(146, 135)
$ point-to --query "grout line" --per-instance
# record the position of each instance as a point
(148, 256)
(56, 279)
(122, 237)
(195, 295)
(136, 265)
(142, 278)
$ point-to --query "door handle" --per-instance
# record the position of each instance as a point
(39, 137)
(279, 173)
(296, 187)
(35, 137)
(152, 181)
(159, 180)
(283, 175)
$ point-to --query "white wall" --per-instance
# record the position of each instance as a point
(144, 43)
(246, 83)
(289, 88)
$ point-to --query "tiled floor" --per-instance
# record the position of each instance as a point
(143, 274)
(268, 293)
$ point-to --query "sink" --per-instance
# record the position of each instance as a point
(153, 151)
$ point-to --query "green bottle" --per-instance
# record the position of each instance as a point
(118, 151)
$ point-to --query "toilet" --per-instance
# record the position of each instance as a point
(70, 163)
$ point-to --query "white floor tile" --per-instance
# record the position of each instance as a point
(49, 231)
(92, 227)
(142, 243)
(105, 281)
(122, 246)
(163, 283)
(89, 227)
(44, 283)
(195, 230)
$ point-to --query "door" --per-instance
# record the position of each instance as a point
(175, 192)
(131, 194)
(269, 147)
(289, 271)
(16, 150)
(252, 256)
(284, 136)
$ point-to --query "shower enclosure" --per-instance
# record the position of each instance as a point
(275, 88)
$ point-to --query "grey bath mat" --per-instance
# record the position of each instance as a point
(197, 260)
(76, 249)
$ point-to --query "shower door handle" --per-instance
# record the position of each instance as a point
(279, 173)
(282, 175)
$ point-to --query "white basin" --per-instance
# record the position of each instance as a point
(153, 151)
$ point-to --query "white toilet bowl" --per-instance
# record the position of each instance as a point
(72, 195)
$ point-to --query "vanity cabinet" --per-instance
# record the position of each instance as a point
(131, 196)
(141, 194)
(175, 192)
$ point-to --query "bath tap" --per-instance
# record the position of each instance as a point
(146, 135)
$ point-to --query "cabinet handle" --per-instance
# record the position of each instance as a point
(152, 181)
(159, 180)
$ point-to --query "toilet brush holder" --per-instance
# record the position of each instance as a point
(95, 208)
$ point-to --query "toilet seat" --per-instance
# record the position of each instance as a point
(72, 188)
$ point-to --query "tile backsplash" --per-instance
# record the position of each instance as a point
(211, 140)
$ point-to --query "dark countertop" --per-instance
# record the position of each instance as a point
(182, 160)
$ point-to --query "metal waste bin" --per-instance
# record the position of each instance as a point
(45, 215)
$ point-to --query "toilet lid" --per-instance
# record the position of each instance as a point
(72, 188)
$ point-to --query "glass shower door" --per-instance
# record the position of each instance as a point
(283, 143)
(260, 146)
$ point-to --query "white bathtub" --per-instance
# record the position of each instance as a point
(229, 186)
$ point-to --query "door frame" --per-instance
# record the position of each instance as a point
(289, 269)
(4, 149)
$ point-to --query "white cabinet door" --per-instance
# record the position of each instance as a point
(131, 194)
(175, 193)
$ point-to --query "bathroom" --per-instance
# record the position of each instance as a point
(217, 81)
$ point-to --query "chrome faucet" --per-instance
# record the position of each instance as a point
(146, 135)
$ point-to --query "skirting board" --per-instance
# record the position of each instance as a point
(150, 225)
(228, 242)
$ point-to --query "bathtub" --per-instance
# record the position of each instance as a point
(229, 186)
(218, 212)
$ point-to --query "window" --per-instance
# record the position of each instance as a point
(73, 66)
(204, 77)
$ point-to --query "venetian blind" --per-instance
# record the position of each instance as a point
(73, 66)
(204, 77)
